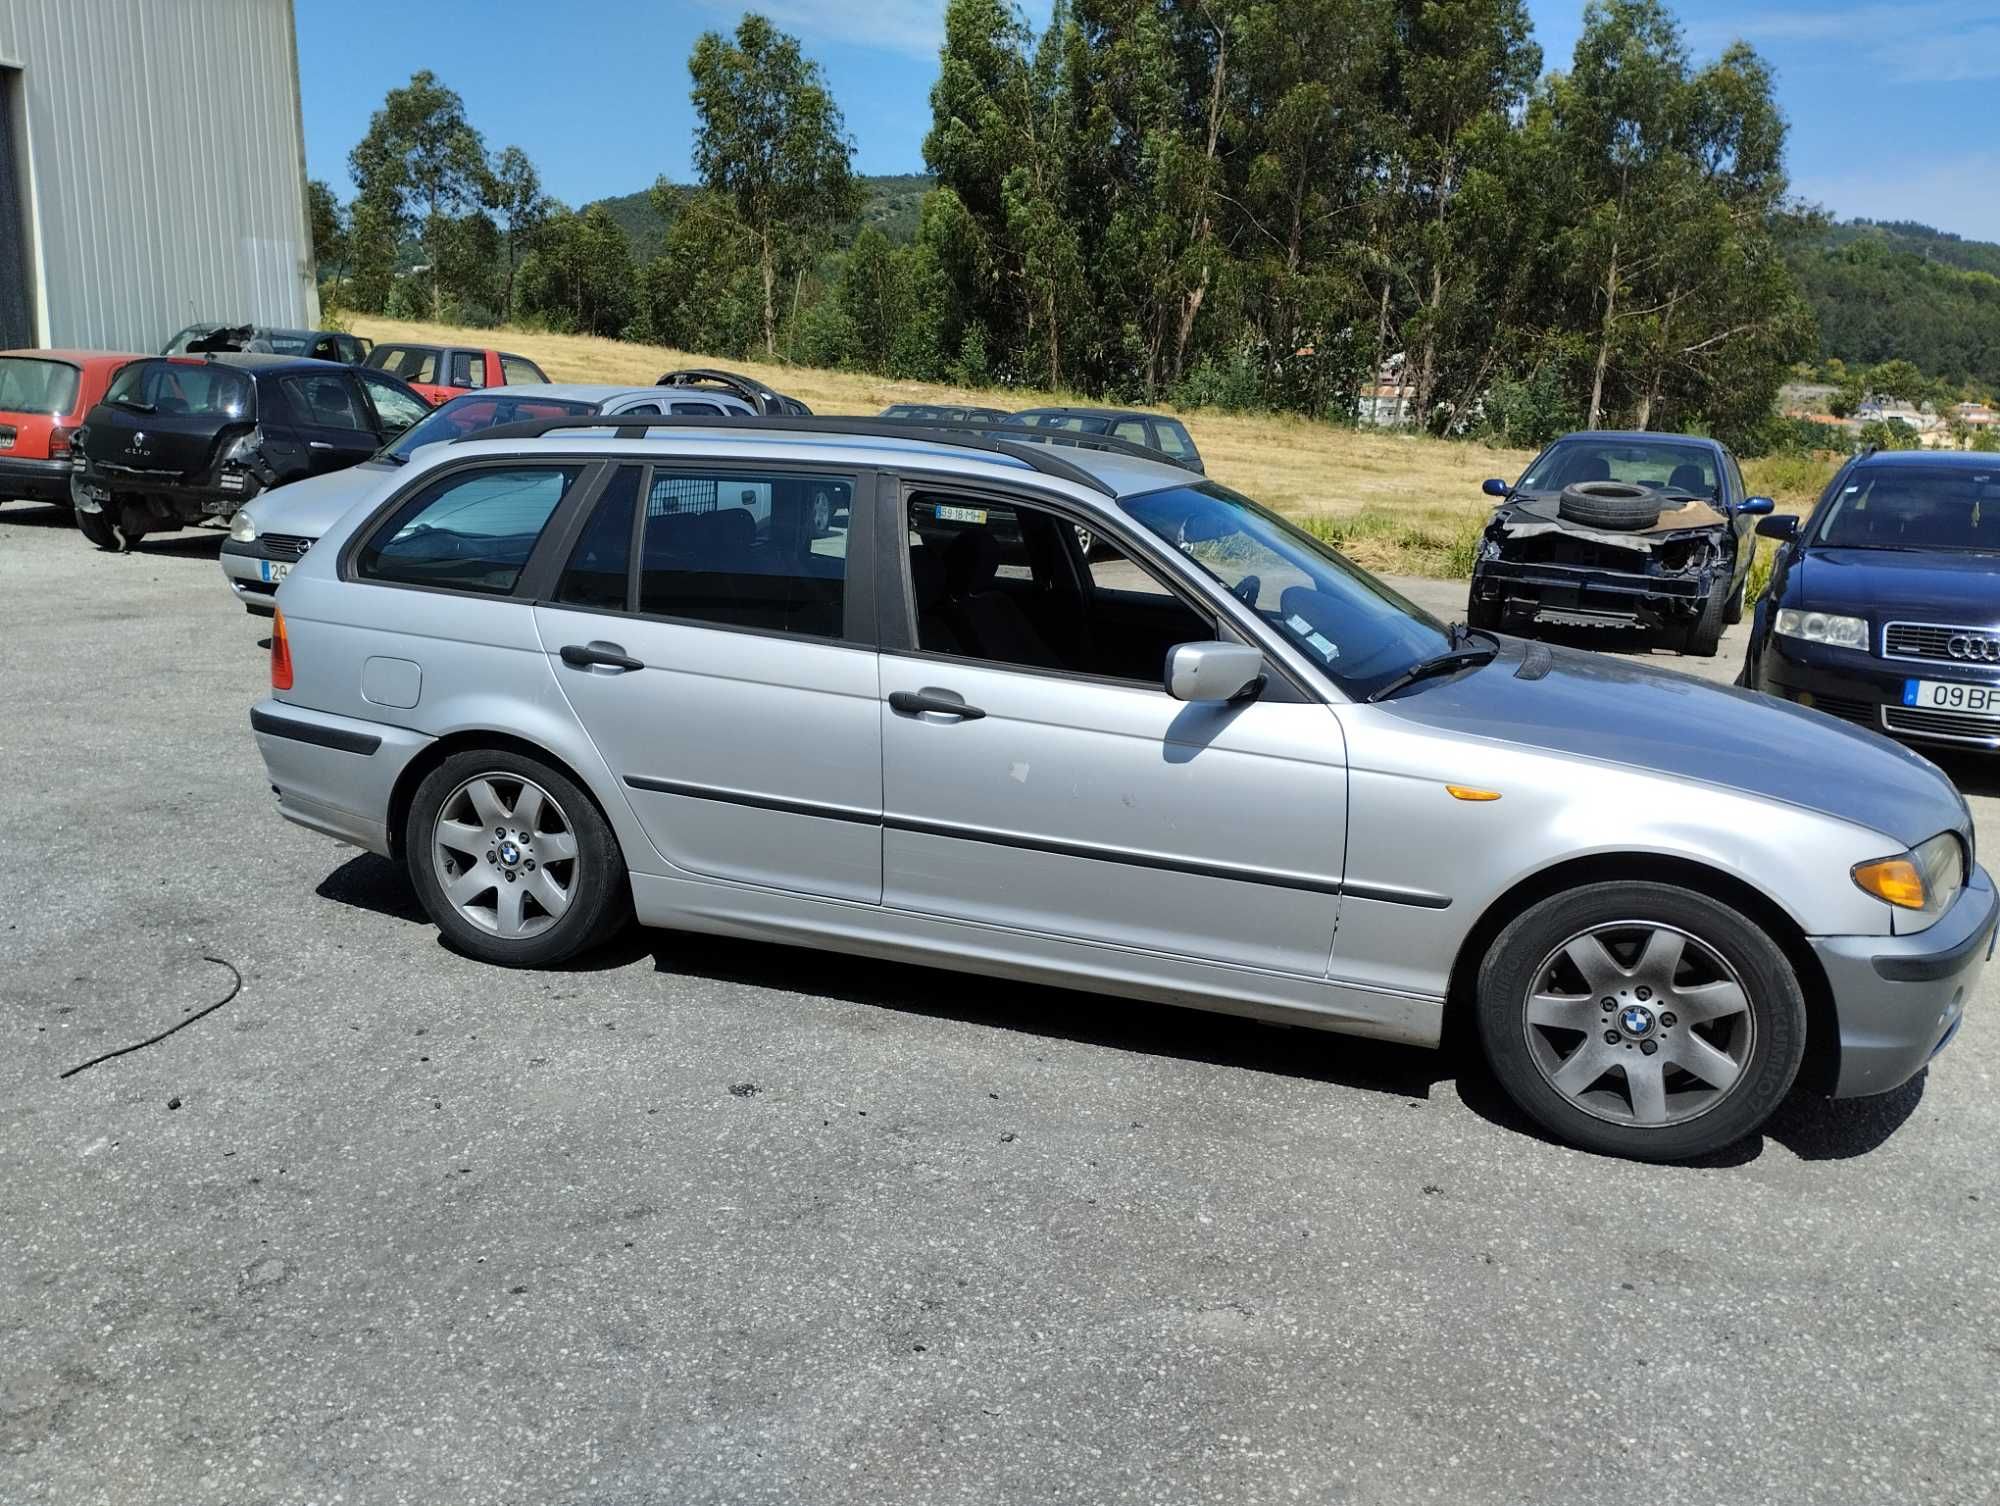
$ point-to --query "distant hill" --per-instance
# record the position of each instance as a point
(892, 204)
(1885, 290)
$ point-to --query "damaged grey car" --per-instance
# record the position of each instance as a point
(1642, 532)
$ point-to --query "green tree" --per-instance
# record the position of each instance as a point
(770, 142)
(420, 167)
(328, 223)
(1900, 380)
(578, 278)
(514, 194)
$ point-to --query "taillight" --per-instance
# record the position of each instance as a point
(281, 654)
(59, 439)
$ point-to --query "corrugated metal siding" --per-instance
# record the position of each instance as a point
(167, 179)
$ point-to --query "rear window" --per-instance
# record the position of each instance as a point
(519, 371)
(468, 415)
(184, 388)
(411, 363)
(36, 386)
(472, 531)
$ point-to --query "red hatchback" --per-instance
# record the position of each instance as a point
(44, 395)
(443, 372)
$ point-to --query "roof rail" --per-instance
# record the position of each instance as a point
(1017, 444)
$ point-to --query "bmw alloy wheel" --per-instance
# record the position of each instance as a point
(1639, 1024)
(505, 855)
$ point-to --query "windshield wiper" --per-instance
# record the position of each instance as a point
(391, 457)
(1462, 657)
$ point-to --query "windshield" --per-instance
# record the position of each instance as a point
(1358, 630)
(1912, 507)
(35, 386)
(467, 415)
(190, 388)
(1661, 464)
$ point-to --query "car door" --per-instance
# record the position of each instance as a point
(332, 418)
(1036, 778)
(722, 660)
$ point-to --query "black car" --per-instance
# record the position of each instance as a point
(1153, 430)
(946, 413)
(1627, 531)
(264, 339)
(761, 398)
(1884, 606)
(179, 440)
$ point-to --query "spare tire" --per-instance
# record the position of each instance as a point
(1610, 504)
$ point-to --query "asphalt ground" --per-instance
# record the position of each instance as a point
(701, 1221)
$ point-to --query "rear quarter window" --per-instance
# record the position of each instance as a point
(519, 370)
(470, 531)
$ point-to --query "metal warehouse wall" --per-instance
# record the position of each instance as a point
(163, 166)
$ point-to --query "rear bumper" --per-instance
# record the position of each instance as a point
(1583, 597)
(216, 496)
(334, 774)
(1900, 999)
(34, 480)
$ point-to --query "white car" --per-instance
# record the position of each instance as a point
(267, 536)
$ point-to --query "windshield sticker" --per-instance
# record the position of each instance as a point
(1316, 640)
(960, 514)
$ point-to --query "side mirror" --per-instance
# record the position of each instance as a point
(1756, 507)
(1214, 671)
(1779, 526)
(1493, 486)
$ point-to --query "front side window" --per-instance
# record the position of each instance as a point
(31, 385)
(1361, 633)
(519, 371)
(1008, 584)
(472, 531)
(326, 402)
(745, 550)
(1915, 507)
(1661, 464)
(394, 406)
(187, 388)
(410, 362)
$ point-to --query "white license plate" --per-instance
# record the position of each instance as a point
(1942, 695)
(7, 440)
(274, 570)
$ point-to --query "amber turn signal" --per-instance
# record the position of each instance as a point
(1467, 792)
(1893, 879)
(281, 654)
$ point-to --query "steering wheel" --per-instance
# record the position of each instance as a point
(1247, 590)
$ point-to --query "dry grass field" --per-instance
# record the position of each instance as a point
(1391, 502)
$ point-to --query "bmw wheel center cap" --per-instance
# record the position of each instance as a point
(1636, 1019)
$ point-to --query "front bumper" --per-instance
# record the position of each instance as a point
(1860, 688)
(1900, 999)
(254, 572)
(1576, 596)
(34, 480)
(334, 774)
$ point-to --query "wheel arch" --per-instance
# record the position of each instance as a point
(1821, 1066)
(467, 740)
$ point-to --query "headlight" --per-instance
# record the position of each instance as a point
(243, 527)
(1927, 878)
(1823, 627)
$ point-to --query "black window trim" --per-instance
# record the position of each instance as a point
(858, 613)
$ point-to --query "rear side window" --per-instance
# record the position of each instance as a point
(472, 531)
(201, 388)
(325, 401)
(34, 386)
(749, 551)
(1174, 439)
(698, 409)
(516, 370)
(468, 369)
(599, 568)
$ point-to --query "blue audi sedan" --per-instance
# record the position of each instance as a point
(1884, 606)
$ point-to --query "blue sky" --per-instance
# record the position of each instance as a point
(1892, 102)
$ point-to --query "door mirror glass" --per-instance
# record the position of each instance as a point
(1493, 486)
(1779, 526)
(1213, 671)
(1757, 507)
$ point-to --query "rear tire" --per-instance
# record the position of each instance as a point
(96, 527)
(1739, 601)
(513, 861)
(1704, 986)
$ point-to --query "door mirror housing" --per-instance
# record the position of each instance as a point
(1493, 486)
(1779, 526)
(1756, 507)
(1214, 671)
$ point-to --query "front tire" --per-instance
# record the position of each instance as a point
(1702, 1037)
(1704, 634)
(513, 862)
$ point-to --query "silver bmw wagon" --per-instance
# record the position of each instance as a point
(841, 684)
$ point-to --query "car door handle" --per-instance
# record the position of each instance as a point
(318, 444)
(943, 702)
(599, 655)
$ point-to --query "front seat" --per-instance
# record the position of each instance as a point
(1593, 468)
(1688, 478)
(989, 622)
